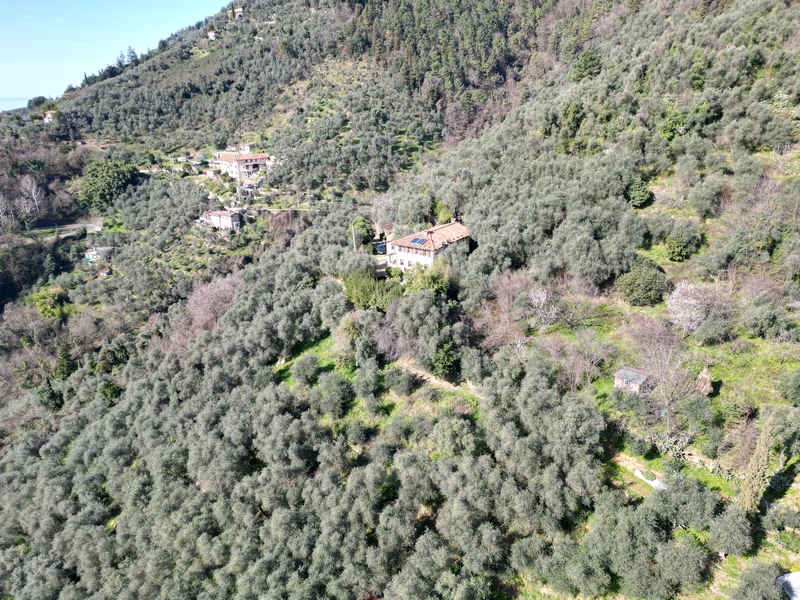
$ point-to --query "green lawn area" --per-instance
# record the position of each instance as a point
(750, 368)
(323, 350)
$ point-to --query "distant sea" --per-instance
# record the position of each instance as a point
(11, 103)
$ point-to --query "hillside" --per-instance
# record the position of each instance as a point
(190, 412)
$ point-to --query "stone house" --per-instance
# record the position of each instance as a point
(222, 219)
(634, 381)
(240, 165)
(423, 247)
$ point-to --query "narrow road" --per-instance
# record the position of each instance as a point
(90, 227)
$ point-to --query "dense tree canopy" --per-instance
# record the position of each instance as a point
(261, 413)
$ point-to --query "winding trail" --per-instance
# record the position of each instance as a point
(409, 365)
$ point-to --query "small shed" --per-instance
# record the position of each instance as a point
(105, 272)
(633, 380)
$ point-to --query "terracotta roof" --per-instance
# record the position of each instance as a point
(236, 157)
(435, 238)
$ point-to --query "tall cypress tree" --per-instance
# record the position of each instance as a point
(757, 477)
(64, 365)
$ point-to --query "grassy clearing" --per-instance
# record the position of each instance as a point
(750, 368)
(322, 349)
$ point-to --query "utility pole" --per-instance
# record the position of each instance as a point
(353, 231)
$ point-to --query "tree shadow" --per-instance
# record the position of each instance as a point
(780, 483)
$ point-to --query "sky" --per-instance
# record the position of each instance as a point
(45, 45)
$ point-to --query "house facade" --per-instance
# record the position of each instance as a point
(222, 219)
(423, 247)
(49, 116)
(241, 165)
(634, 381)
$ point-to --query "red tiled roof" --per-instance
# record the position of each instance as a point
(435, 238)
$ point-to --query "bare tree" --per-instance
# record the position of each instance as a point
(543, 306)
(25, 209)
(32, 193)
(588, 353)
(209, 301)
(663, 354)
(83, 331)
(501, 319)
(781, 158)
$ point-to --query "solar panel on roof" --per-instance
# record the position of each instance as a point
(418, 241)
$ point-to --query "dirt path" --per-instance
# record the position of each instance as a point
(631, 464)
(408, 364)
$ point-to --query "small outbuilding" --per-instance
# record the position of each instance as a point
(634, 381)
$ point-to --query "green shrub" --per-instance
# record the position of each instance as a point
(104, 180)
(305, 369)
(713, 331)
(398, 380)
(769, 321)
(677, 248)
(643, 285)
(110, 392)
(757, 582)
(48, 397)
(332, 395)
(637, 445)
(637, 192)
(789, 386)
(588, 64)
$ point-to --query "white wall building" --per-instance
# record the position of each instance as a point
(423, 247)
(241, 165)
(222, 219)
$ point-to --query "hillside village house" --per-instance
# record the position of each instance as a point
(423, 247)
(222, 219)
(49, 115)
(241, 165)
(212, 35)
(634, 381)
